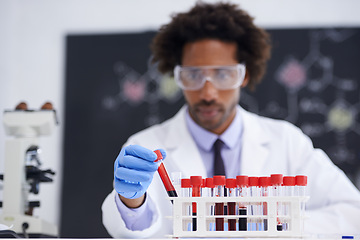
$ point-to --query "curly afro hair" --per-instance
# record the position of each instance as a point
(221, 21)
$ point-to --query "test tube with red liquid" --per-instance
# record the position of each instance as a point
(209, 192)
(186, 192)
(276, 190)
(164, 176)
(242, 183)
(219, 182)
(231, 192)
(196, 183)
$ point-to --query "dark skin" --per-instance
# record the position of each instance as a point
(209, 107)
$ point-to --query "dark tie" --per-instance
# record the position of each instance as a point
(218, 161)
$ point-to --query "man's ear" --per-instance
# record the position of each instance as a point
(246, 80)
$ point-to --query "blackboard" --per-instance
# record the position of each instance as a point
(112, 91)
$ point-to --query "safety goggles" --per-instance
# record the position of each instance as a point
(223, 77)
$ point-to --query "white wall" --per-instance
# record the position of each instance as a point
(32, 50)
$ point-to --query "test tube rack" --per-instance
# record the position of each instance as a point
(295, 216)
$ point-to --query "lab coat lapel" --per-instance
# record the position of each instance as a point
(182, 149)
(255, 145)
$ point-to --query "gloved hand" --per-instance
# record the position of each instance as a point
(134, 169)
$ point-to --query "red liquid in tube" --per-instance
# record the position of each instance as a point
(164, 176)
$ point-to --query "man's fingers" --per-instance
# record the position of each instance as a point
(141, 152)
(139, 164)
(124, 186)
(132, 175)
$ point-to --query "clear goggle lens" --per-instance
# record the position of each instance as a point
(223, 77)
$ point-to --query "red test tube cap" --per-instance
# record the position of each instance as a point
(301, 180)
(276, 179)
(242, 181)
(209, 183)
(264, 181)
(159, 155)
(230, 183)
(185, 183)
(253, 181)
(196, 181)
(219, 180)
(289, 181)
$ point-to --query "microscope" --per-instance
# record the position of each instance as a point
(22, 174)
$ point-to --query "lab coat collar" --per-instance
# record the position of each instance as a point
(182, 147)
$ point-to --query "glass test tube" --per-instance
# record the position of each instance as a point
(288, 186)
(185, 187)
(242, 183)
(164, 176)
(231, 192)
(209, 192)
(219, 182)
(253, 208)
(176, 181)
(209, 188)
(264, 183)
(196, 183)
(276, 190)
(300, 189)
(186, 192)
(300, 183)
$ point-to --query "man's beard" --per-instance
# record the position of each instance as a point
(211, 124)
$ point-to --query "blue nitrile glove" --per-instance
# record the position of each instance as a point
(134, 169)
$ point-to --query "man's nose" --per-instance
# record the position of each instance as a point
(208, 92)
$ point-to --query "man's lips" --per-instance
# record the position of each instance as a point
(207, 112)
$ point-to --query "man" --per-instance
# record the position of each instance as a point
(215, 50)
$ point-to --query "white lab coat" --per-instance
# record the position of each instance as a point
(269, 146)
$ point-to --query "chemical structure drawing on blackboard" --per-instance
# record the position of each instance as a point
(317, 99)
(136, 88)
